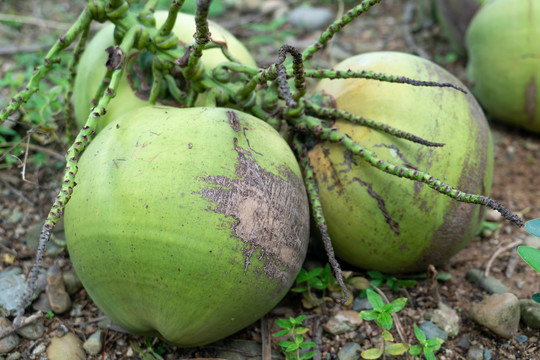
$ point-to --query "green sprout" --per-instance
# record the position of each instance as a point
(382, 315)
(318, 279)
(530, 254)
(427, 346)
(291, 349)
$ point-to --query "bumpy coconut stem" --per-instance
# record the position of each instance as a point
(317, 127)
(325, 112)
(72, 159)
(336, 26)
(318, 215)
(370, 75)
(72, 67)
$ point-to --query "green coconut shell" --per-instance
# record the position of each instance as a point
(382, 222)
(504, 61)
(187, 224)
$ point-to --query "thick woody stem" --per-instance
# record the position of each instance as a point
(72, 67)
(329, 113)
(202, 37)
(318, 215)
(316, 126)
(336, 26)
(41, 71)
(72, 159)
(370, 75)
(297, 69)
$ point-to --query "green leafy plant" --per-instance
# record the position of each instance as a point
(49, 314)
(427, 346)
(291, 348)
(382, 315)
(530, 254)
(318, 279)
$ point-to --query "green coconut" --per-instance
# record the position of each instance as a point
(129, 96)
(504, 61)
(382, 222)
(187, 224)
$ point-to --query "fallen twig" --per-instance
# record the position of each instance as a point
(25, 322)
(498, 252)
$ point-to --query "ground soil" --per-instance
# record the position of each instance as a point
(517, 170)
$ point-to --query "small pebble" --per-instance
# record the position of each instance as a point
(12, 286)
(14, 356)
(33, 331)
(488, 283)
(94, 343)
(499, 313)
(464, 343)
(446, 319)
(67, 347)
(530, 313)
(350, 351)
(56, 291)
(11, 341)
(361, 304)
(475, 353)
(431, 330)
(487, 354)
(38, 350)
(521, 338)
(343, 321)
(532, 241)
(72, 282)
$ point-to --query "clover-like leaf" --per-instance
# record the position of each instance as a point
(415, 350)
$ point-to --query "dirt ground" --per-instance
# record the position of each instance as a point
(517, 170)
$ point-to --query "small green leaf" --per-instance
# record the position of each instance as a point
(315, 272)
(386, 335)
(302, 276)
(385, 320)
(434, 343)
(317, 283)
(419, 335)
(300, 330)
(415, 350)
(375, 274)
(401, 282)
(376, 282)
(292, 347)
(307, 344)
(307, 355)
(397, 349)
(282, 323)
(374, 299)
(298, 320)
(536, 297)
(368, 315)
(281, 333)
(371, 353)
(286, 344)
(397, 305)
(299, 339)
(428, 353)
(533, 227)
(531, 256)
